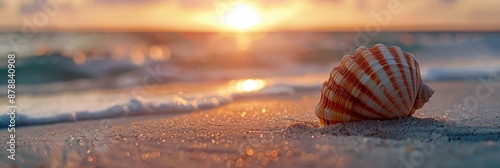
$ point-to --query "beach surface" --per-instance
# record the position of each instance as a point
(275, 131)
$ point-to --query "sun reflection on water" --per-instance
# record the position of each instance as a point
(248, 85)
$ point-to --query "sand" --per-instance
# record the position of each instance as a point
(279, 131)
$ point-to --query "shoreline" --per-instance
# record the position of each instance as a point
(272, 132)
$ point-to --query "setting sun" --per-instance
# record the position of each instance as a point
(241, 16)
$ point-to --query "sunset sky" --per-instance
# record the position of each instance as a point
(256, 15)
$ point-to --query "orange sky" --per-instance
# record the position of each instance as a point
(274, 15)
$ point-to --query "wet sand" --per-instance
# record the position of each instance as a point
(280, 131)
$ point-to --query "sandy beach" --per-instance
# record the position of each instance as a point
(280, 131)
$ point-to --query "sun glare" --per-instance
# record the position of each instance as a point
(241, 17)
(249, 85)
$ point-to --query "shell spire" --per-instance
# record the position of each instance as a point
(374, 83)
(424, 94)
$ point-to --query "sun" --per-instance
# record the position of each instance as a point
(241, 16)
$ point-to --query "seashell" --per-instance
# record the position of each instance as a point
(373, 84)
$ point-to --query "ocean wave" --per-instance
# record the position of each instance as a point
(72, 107)
(55, 105)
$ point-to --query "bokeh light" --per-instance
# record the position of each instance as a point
(79, 57)
(156, 52)
(137, 56)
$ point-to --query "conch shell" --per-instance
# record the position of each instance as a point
(373, 84)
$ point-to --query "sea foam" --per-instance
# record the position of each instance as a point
(90, 105)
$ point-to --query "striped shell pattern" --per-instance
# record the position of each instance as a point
(375, 83)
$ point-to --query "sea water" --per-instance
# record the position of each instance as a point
(134, 74)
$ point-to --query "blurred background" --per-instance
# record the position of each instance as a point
(106, 44)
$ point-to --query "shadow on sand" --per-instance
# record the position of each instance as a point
(424, 129)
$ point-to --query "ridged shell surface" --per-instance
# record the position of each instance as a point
(375, 83)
